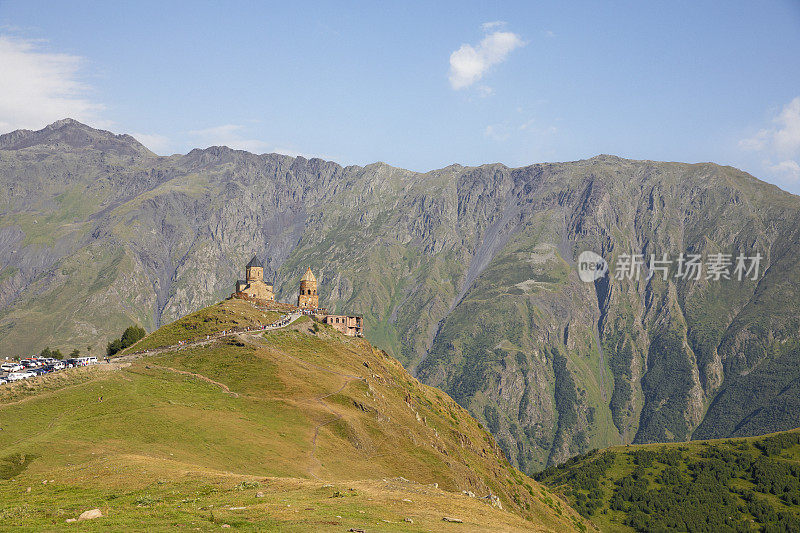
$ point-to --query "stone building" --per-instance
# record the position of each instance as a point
(308, 298)
(254, 286)
(351, 326)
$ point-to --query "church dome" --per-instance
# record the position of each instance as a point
(254, 262)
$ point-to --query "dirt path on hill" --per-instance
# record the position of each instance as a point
(314, 463)
(127, 358)
(282, 322)
(124, 360)
(255, 336)
(336, 418)
(222, 386)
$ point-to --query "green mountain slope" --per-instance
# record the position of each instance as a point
(464, 274)
(748, 484)
(182, 433)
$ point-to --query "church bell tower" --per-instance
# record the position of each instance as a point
(308, 291)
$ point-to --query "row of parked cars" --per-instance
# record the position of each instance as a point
(36, 366)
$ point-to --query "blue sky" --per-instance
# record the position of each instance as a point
(419, 85)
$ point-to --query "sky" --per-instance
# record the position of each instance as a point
(419, 85)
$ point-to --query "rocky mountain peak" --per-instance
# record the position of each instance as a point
(69, 134)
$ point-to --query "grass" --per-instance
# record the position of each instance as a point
(227, 315)
(206, 500)
(180, 438)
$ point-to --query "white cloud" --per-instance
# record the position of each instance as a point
(485, 91)
(529, 131)
(787, 135)
(38, 87)
(784, 137)
(469, 63)
(788, 169)
(756, 142)
(779, 142)
(156, 143)
(497, 132)
(488, 26)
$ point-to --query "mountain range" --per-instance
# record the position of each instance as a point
(467, 275)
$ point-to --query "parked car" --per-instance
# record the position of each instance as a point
(82, 361)
(3, 381)
(17, 376)
(11, 367)
(59, 365)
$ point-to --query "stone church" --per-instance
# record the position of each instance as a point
(254, 286)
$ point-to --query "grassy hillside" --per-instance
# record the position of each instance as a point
(748, 484)
(224, 316)
(332, 432)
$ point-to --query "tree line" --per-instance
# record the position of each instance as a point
(733, 486)
(129, 337)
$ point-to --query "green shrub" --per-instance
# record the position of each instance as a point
(129, 337)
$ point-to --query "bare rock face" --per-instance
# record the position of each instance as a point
(465, 274)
